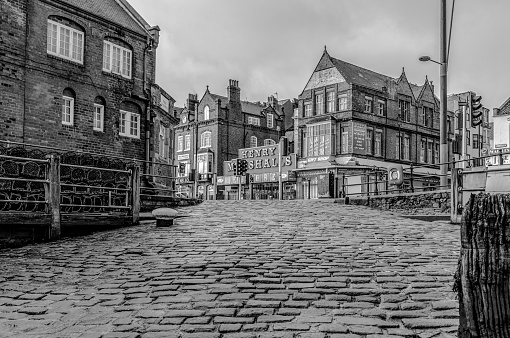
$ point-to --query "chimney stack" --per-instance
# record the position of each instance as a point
(192, 102)
(233, 91)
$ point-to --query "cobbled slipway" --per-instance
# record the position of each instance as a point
(240, 269)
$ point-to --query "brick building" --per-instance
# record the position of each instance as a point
(213, 129)
(352, 119)
(80, 75)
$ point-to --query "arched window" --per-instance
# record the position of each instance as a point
(206, 113)
(130, 120)
(253, 141)
(117, 57)
(205, 139)
(268, 142)
(68, 97)
(98, 113)
(64, 39)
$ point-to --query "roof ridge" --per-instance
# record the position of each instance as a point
(134, 14)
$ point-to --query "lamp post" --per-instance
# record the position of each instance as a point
(443, 144)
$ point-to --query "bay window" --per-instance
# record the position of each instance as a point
(319, 139)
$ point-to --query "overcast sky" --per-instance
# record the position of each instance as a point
(273, 46)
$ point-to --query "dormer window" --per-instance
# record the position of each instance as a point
(116, 59)
(64, 42)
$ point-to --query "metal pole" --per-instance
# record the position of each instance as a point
(464, 128)
(443, 150)
(280, 185)
(240, 187)
(195, 158)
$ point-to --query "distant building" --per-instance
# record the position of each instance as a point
(501, 134)
(80, 75)
(213, 129)
(351, 120)
(465, 140)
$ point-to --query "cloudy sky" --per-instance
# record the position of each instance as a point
(273, 46)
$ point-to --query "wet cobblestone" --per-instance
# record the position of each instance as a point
(240, 269)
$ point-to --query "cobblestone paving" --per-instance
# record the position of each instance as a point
(240, 269)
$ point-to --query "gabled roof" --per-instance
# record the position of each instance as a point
(504, 109)
(361, 76)
(117, 11)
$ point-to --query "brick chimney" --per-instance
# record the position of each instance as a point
(233, 91)
(192, 102)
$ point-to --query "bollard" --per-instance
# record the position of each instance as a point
(165, 216)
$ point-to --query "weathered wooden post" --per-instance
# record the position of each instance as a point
(135, 193)
(53, 195)
(455, 196)
(483, 278)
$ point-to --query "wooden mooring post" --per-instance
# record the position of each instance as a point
(53, 195)
(483, 276)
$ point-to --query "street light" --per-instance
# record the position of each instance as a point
(443, 147)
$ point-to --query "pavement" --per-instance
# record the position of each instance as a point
(240, 269)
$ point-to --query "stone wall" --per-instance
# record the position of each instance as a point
(149, 203)
(430, 202)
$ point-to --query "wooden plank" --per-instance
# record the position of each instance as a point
(96, 220)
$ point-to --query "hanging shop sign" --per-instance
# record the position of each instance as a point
(183, 157)
(230, 180)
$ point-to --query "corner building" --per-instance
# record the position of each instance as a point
(351, 120)
(213, 129)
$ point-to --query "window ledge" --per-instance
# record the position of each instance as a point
(64, 60)
(118, 76)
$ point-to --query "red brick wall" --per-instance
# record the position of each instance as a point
(12, 74)
(47, 77)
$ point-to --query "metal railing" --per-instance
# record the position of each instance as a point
(417, 177)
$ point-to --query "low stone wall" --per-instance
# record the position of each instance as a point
(427, 202)
(149, 203)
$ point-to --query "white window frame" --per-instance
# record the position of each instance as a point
(98, 117)
(124, 61)
(270, 120)
(308, 109)
(330, 102)
(67, 110)
(319, 104)
(423, 145)
(253, 141)
(204, 163)
(187, 142)
(126, 122)
(380, 107)
(407, 147)
(205, 139)
(206, 113)
(368, 104)
(269, 142)
(369, 139)
(342, 102)
(180, 143)
(56, 43)
(254, 120)
(345, 140)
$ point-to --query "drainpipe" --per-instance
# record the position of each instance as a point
(148, 48)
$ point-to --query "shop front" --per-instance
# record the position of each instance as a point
(263, 175)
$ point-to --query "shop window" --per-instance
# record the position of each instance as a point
(319, 139)
(205, 163)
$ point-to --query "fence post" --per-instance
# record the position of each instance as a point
(412, 183)
(135, 193)
(53, 195)
(482, 277)
(343, 185)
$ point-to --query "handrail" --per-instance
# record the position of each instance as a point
(94, 168)
(3, 178)
(24, 158)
